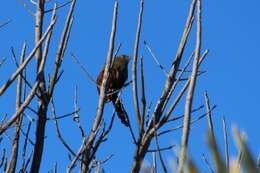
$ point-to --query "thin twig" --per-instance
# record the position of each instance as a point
(27, 8)
(2, 61)
(226, 142)
(155, 58)
(76, 117)
(158, 149)
(28, 161)
(162, 148)
(59, 6)
(207, 163)
(5, 23)
(2, 157)
(25, 134)
(191, 122)
(88, 75)
(58, 130)
(181, 116)
(73, 162)
(25, 146)
(65, 115)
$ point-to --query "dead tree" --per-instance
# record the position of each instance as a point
(43, 88)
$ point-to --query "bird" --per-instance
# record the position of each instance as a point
(115, 82)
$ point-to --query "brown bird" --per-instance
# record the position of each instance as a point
(117, 78)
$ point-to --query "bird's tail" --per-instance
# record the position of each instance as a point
(121, 113)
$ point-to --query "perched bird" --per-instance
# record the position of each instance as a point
(115, 82)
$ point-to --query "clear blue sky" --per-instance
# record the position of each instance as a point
(230, 32)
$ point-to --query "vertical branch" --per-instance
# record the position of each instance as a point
(76, 114)
(61, 49)
(103, 91)
(143, 95)
(73, 162)
(249, 164)
(102, 95)
(38, 29)
(226, 142)
(25, 147)
(210, 124)
(137, 37)
(154, 168)
(219, 164)
(15, 145)
(158, 149)
(42, 99)
(189, 97)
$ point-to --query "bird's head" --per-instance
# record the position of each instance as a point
(121, 61)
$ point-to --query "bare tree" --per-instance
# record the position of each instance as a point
(149, 125)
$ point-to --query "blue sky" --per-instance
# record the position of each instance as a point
(230, 32)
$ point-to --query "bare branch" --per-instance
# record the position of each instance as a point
(181, 116)
(143, 96)
(189, 97)
(28, 59)
(27, 8)
(155, 59)
(5, 23)
(58, 7)
(25, 147)
(15, 145)
(134, 78)
(207, 163)
(58, 130)
(191, 122)
(73, 162)
(101, 101)
(247, 159)
(2, 160)
(210, 124)
(226, 142)
(180, 94)
(158, 149)
(2, 61)
(61, 49)
(43, 100)
(171, 77)
(104, 82)
(65, 115)
(88, 75)
(76, 115)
